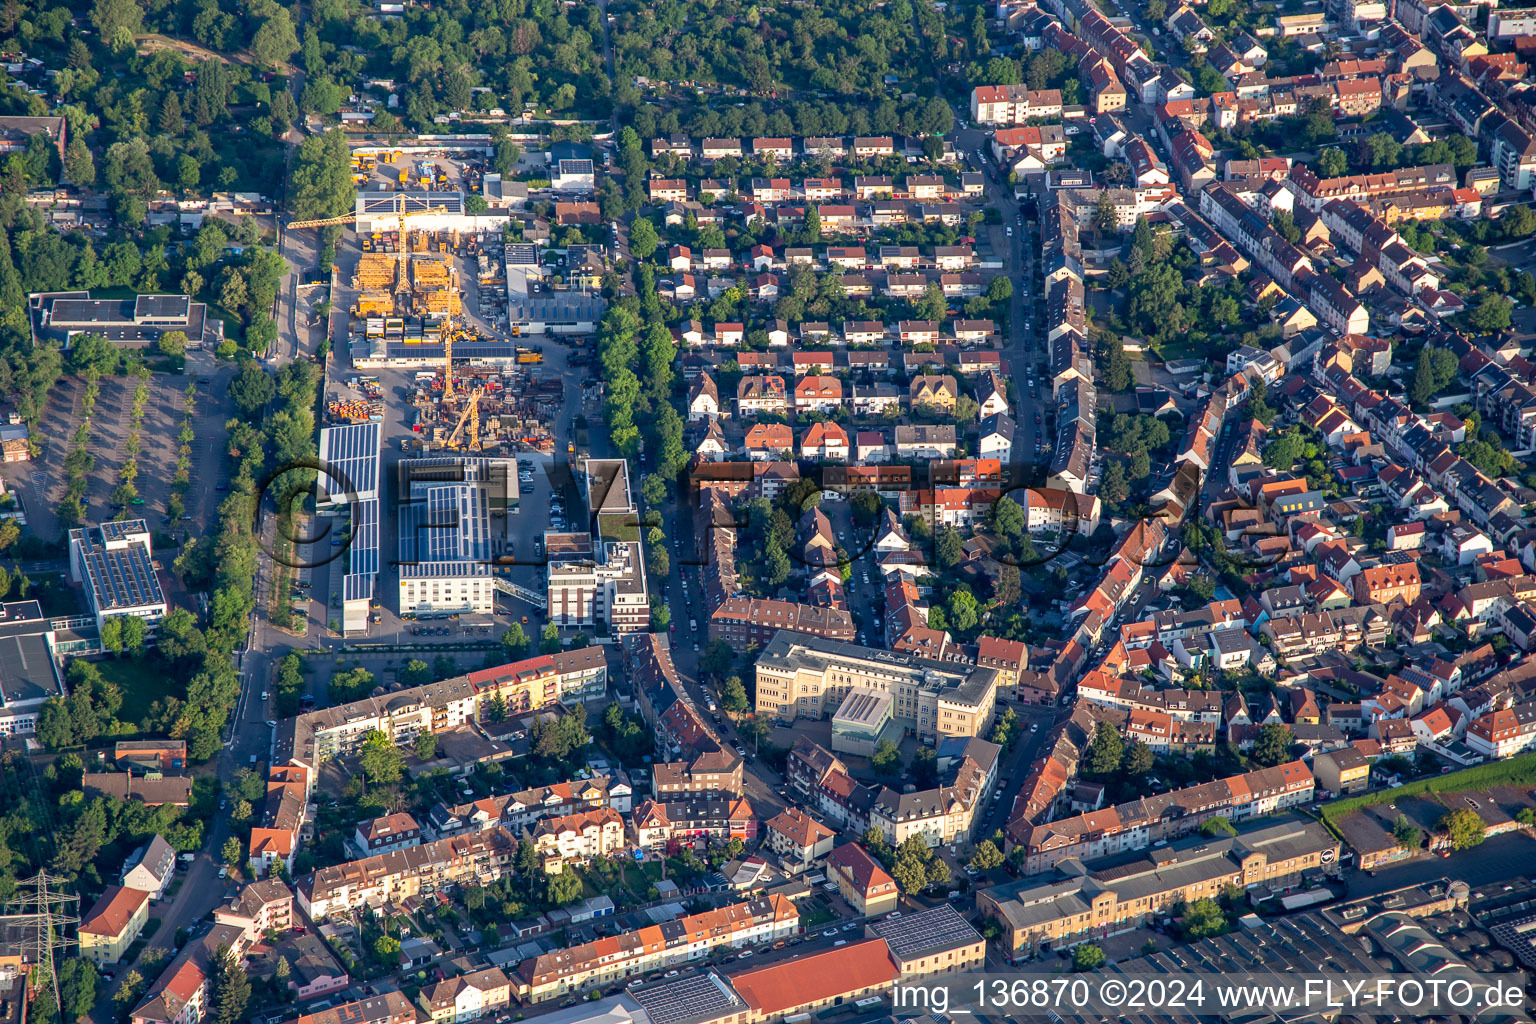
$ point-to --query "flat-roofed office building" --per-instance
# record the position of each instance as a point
(114, 562)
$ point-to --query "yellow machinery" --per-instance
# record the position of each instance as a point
(449, 335)
(347, 218)
(448, 357)
(470, 416)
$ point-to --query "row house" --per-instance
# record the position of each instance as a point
(1181, 705)
(613, 959)
(1128, 59)
(1315, 193)
(1139, 823)
(1336, 305)
(1341, 629)
(517, 811)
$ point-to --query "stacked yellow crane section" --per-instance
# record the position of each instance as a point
(374, 304)
(431, 274)
(443, 301)
(376, 272)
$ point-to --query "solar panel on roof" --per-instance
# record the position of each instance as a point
(939, 927)
(700, 997)
(162, 307)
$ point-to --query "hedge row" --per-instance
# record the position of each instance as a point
(1513, 771)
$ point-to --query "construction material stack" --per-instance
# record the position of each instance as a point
(376, 272)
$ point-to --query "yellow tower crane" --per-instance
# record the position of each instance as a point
(450, 333)
(448, 355)
(401, 216)
(470, 416)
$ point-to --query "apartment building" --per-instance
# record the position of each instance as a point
(1341, 772)
(599, 582)
(657, 823)
(1384, 584)
(1503, 733)
(1013, 104)
(801, 676)
(476, 858)
(1089, 902)
(709, 773)
(259, 907)
(860, 879)
(745, 622)
(943, 813)
(315, 737)
(111, 926)
(389, 832)
(1139, 823)
(798, 838)
(577, 838)
(184, 991)
(613, 959)
(151, 867)
(598, 576)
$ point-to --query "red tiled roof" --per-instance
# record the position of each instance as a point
(811, 979)
(113, 911)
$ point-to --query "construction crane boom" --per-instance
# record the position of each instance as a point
(448, 355)
(470, 416)
(347, 218)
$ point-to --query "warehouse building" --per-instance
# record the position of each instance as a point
(348, 484)
(427, 211)
(450, 530)
(1087, 902)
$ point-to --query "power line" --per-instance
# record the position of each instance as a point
(41, 915)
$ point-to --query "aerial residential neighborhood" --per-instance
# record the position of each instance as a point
(725, 513)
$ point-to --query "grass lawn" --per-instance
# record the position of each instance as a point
(818, 917)
(142, 680)
(1180, 349)
(637, 879)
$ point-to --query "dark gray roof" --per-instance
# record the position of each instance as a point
(916, 935)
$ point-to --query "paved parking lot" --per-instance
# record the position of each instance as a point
(41, 483)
